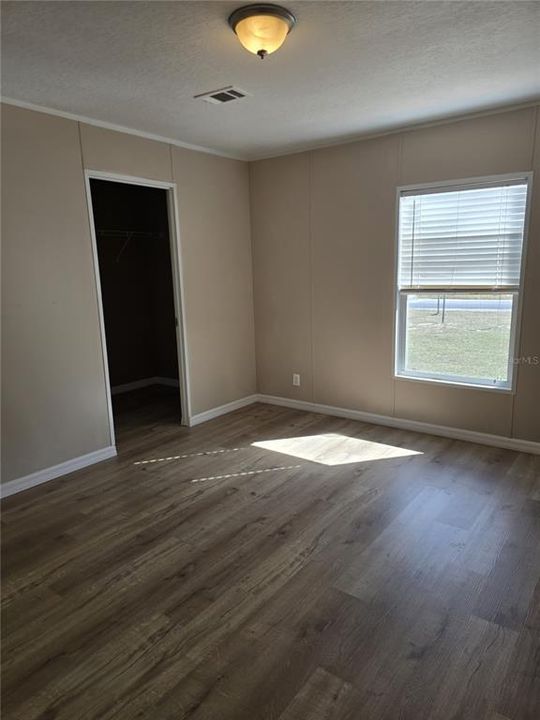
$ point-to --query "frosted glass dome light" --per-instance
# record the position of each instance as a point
(262, 28)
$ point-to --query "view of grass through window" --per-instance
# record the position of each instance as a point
(466, 335)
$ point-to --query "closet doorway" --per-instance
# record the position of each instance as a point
(137, 267)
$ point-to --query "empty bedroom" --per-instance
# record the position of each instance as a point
(270, 431)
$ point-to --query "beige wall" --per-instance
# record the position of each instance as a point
(123, 154)
(54, 403)
(527, 401)
(213, 199)
(324, 245)
(281, 257)
(53, 386)
(352, 220)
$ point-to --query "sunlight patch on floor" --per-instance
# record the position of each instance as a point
(335, 449)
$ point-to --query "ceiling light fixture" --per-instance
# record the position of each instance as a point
(262, 28)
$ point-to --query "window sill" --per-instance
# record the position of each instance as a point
(455, 384)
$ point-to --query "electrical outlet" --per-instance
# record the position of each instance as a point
(296, 379)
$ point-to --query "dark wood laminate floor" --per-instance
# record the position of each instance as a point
(200, 576)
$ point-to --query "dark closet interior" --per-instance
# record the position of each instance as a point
(132, 235)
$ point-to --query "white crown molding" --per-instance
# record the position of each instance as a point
(117, 128)
(410, 127)
(328, 143)
(42, 476)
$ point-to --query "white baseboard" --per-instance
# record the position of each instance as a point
(508, 443)
(223, 409)
(42, 476)
(144, 382)
(170, 382)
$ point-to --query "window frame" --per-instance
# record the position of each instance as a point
(400, 296)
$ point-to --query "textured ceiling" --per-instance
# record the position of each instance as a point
(347, 69)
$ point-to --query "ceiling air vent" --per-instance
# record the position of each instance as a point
(223, 95)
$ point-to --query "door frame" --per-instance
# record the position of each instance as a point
(178, 286)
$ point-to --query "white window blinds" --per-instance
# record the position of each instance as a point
(462, 238)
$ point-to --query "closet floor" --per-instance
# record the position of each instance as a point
(147, 409)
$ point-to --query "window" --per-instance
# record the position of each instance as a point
(459, 274)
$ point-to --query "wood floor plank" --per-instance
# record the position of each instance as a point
(520, 693)
(321, 698)
(507, 593)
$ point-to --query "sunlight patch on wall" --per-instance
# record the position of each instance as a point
(335, 449)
